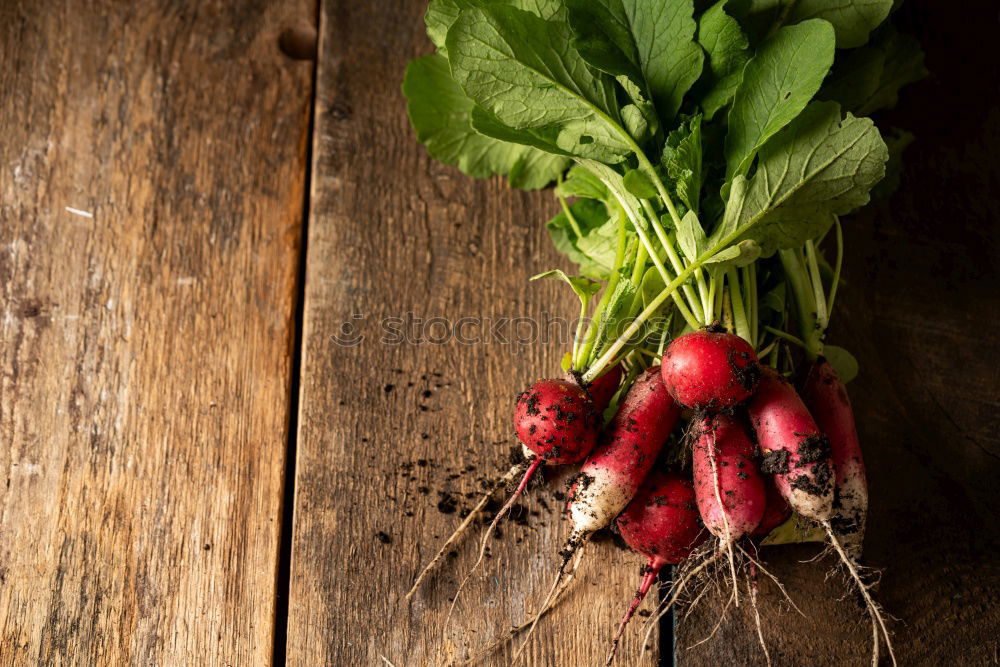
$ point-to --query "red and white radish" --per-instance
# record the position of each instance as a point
(710, 369)
(730, 489)
(829, 404)
(611, 476)
(795, 451)
(662, 524)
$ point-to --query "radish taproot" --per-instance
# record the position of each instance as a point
(795, 451)
(827, 399)
(612, 474)
(662, 524)
(710, 369)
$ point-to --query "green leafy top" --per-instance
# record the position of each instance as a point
(688, 145)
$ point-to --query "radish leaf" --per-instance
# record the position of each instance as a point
(727, 48)
(440, 113)
(522, 70)
(821, 165)
(852, 20)
(644, 40)
(682, 160)
(777, 84)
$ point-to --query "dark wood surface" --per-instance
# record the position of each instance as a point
(146, 371)
(147, 338)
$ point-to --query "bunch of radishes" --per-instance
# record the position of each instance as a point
(702, 152)
(757, 453)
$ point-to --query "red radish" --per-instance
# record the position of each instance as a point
(710, 369)
(776, 511)
(795, 451)
(612, 474)
(557, 423)
(730, 490)
(662, 524)
(603, 389)
(828, 402)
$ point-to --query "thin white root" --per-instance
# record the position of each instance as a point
(513, 632)
(781, 587)
(874, 610)
(752, 586)
(718, 624)
(532, 467)
(675, 592)
(510, 476)
(575, 544)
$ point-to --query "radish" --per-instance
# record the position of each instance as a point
(827, 399)
(776, 511)
(730, 490)
(795, 451)
(612, 475)
(556, 422)
(662, 524)
(710, 369)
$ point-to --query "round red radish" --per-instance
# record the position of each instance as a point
(776, 511)
(827, 399)
(557, 421)
(730, 489)
(795, 451)
(662, 521)
(612, 474)
(709, 370)
(662, 524)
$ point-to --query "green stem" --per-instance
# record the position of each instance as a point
(579, 362)
(797, 276)
(753, 308)
(579, 332)
(837, 267)
(675, 260)
(819, 296)
(739, 312)
(787, 336)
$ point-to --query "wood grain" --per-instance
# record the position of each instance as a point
(393, 232)
(919, 311)
(152, 166)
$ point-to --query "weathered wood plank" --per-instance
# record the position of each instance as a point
(919, 311)
(392, 232)
(152, 162)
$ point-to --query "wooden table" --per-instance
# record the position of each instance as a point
(203, 463)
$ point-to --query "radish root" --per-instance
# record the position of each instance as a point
(675, 592)
(513, 632)
(874, 610)
(489, 532)
(509, 477)
(752, 586)
(573, 545)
